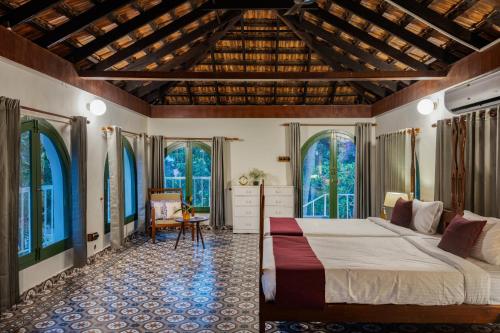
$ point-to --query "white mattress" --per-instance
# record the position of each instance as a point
(389, 270)
(346, 227)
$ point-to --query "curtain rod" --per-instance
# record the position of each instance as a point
(325, 125)
(27, 108)
(492, 113)
(110, 129)
(196, 139)
(410, 130)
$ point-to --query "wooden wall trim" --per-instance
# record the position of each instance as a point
(260, 111)
(472, 66)
(22, 51)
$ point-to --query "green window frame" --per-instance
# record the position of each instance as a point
(38, 253)
(189, 146)
(332, 135)
(131, 217)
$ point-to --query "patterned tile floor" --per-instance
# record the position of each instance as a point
(152, 288)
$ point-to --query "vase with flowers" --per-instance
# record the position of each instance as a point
(187, 210)
(256, 175)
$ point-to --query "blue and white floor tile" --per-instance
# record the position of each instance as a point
(153, 288)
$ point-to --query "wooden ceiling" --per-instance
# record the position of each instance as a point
(232, 38)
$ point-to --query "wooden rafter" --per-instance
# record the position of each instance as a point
(26, 12)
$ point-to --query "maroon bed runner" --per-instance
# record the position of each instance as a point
(300, 276)
(285, 226)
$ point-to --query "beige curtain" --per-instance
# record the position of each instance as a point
(218, 183)
(392, 169)
(142, 166)
(157, 156)
(482, 162)
(442, 187)
(295, 166)
(363, 195)
(116, 190)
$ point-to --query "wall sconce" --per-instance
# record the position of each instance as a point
(97, 107)
(426, 106)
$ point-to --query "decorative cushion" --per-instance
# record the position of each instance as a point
(402, 213)
(487, 247)
(166, 209)
(426, 216)
(460, 236)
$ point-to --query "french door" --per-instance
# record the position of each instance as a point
(328, 175)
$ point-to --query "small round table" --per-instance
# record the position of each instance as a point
(196, 220)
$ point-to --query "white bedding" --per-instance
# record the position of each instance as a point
(389, 270)
(370, 227)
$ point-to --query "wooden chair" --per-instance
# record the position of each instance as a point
(157, 194)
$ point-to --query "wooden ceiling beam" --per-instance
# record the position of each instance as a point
(278, 95)
(252, 5)
(26, 12)
(262, 76)
(260, 111)
(440, 23)
(396, 30)
(325, 53)
(368, 39)
(123, 30)
(79, 22)
(151, 39)
(178, 43)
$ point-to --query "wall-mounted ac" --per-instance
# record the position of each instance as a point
(477, 94)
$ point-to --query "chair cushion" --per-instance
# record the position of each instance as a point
(166, 209)
(166, 196)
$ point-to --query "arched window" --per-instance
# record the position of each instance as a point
(188, 166)
(129, 186)
(44, 220)
(328, 175)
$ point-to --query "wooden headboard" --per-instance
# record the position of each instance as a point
(446, 218)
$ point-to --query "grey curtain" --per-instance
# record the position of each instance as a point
(442, 181)
(482, 163)
(391, 166)
(141, 149)
(363, 137)
(116, 190)
(157, 166)
(295, 166)
(10, 136)
(79, 190)
(217, 188)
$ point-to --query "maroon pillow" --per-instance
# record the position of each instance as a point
(402, 213)
(460, 236)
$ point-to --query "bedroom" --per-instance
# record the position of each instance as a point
(339, 108)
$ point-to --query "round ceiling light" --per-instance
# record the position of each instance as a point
(97, 107)
(426, 106)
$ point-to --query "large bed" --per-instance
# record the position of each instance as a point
(378, 274)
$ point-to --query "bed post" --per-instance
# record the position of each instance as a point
(262, 322)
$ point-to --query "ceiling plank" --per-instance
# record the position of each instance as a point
(325, 53)
(395, 29)
(261, 111)
(188, 59)
(151, 39)
(26, 12)
(123, 30)
(440, 23)
(262, 76)
(79, 22)
(368, 39)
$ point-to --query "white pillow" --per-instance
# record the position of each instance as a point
(166, 209)
(426, 216)
(487, 247)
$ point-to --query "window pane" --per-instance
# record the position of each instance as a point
(24, 243)
(52, 193)
(346, 170)
(316, 180)
(129, 180)
(175, 169)
(201, 177)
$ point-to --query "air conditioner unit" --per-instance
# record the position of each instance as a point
(477, 94)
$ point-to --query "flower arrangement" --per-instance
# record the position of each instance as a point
(187, 209)
(256, 175)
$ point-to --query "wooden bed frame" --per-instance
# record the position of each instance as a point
(367, 313)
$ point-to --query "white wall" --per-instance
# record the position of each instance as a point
(42, 92)
(407, 116)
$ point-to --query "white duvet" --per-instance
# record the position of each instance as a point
(371, 227)
(389, 270)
